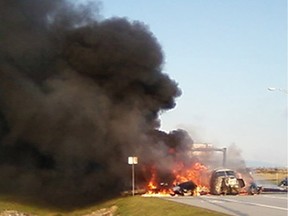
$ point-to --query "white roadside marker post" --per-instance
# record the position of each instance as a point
(133, 160)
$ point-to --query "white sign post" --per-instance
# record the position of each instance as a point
(133, 160)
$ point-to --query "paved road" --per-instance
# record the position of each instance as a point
(263, 204)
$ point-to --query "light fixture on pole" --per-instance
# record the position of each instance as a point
(132, 160)
(278, 89)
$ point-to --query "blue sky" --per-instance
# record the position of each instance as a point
(223, 54)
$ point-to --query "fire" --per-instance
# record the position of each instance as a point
(152, 183)
(153, 186)
(197, 173)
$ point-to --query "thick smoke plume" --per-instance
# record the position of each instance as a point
(78, 95)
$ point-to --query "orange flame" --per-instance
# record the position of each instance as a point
(197, 172)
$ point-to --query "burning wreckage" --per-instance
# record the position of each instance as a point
(222, 182)
(197, 179)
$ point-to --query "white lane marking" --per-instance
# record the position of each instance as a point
(216, 201)
(275, 197)
(251, 203)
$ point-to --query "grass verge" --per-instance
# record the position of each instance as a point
(126, 206)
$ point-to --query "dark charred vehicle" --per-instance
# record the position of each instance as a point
(282, 187)
(284, 183)
(254, 189)
(224, 181)
(185, 188)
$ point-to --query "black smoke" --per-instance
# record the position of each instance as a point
(78, 95)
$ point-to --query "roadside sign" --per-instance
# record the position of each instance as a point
(132, 160)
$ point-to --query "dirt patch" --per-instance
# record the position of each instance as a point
(101, 212)
(14, 213)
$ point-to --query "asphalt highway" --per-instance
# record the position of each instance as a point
(263, 204)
